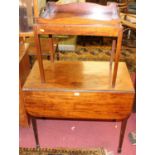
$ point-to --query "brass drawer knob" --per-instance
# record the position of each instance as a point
(42, 30)
(76, 94)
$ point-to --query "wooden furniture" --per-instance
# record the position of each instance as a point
(24, 69)
(80, 19)
(74, 87)
(79, 90)
(123, 6)
(128, 20)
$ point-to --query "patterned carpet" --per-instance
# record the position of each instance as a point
(89, 48)
(61, 151)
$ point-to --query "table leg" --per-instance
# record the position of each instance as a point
(51, 43)
(122, 133)
(39, 55)
(112, 53)
(117, 56)
(57, 51)
(35, 131)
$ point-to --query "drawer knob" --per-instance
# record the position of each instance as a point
(42, 30)
(76, 94)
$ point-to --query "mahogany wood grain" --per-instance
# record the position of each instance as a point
(24, 69)
(83, 105)
(24, 64)
(71, 19)
(45, 47)
(122, 133)
(23, 117)
(89, 19)
(117, 56)
(39, 55)
(79, 90)
(70, 29)
(78, 75)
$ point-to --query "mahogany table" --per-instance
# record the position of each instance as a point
(79, 90)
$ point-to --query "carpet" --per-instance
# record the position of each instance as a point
(89, 49)
(61, 151)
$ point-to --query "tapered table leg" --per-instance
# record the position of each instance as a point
(122, 133)
(112, 53)
(39, 55)
(51, 43)
(117, 56)
(57, 52)
(35, 131)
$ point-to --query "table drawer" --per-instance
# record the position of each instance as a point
(79, 105)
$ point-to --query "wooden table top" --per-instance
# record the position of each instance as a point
(78, 76)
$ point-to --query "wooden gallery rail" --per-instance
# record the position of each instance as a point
(79, 90)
